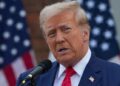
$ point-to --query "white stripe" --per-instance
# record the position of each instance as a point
(18, 67)
(3, 80)
(33, 57)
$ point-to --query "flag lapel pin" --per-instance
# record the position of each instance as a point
(91, 79)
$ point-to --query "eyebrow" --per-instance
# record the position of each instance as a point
(59, 26)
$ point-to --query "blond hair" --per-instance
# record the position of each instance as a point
(54, 9)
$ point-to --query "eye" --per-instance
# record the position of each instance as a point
(66, 28)
(51, 34)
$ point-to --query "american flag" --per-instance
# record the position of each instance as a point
(15, 49)
(103, 33)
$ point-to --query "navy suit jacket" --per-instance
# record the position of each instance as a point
(96, 73)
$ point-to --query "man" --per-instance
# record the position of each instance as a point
(66, 31)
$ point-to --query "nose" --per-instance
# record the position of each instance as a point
(60, 37)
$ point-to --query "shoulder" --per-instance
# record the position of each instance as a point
(109, 65)
(110, 73)
(108, 69)
(103, 64)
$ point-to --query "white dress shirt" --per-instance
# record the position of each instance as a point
(79, 68)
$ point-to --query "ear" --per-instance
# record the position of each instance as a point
(86, 33)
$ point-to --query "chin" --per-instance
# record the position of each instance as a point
(66, 60)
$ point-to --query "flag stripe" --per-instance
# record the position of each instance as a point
(27, 60)
(9, 73)
(32, 54)
(18, 67)
(3, 80)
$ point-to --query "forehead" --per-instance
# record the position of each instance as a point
(63, 18)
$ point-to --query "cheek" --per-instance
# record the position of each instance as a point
(51, 45)
(77, 42)
(76, 37)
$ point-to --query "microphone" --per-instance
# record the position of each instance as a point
(41, 68)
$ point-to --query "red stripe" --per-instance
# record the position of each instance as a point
(28, 60)
(10, 75)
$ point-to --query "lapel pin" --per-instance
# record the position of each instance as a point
(91, 79)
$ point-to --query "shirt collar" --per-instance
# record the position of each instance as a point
(79, 67)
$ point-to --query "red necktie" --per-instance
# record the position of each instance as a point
(69, 72)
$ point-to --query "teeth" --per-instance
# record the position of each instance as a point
(62, 49)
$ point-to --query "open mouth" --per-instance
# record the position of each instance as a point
(62, 49)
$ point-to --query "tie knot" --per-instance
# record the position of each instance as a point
(70, 71)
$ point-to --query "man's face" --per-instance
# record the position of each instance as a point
(67, 40)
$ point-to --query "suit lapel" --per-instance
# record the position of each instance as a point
(92, 73)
